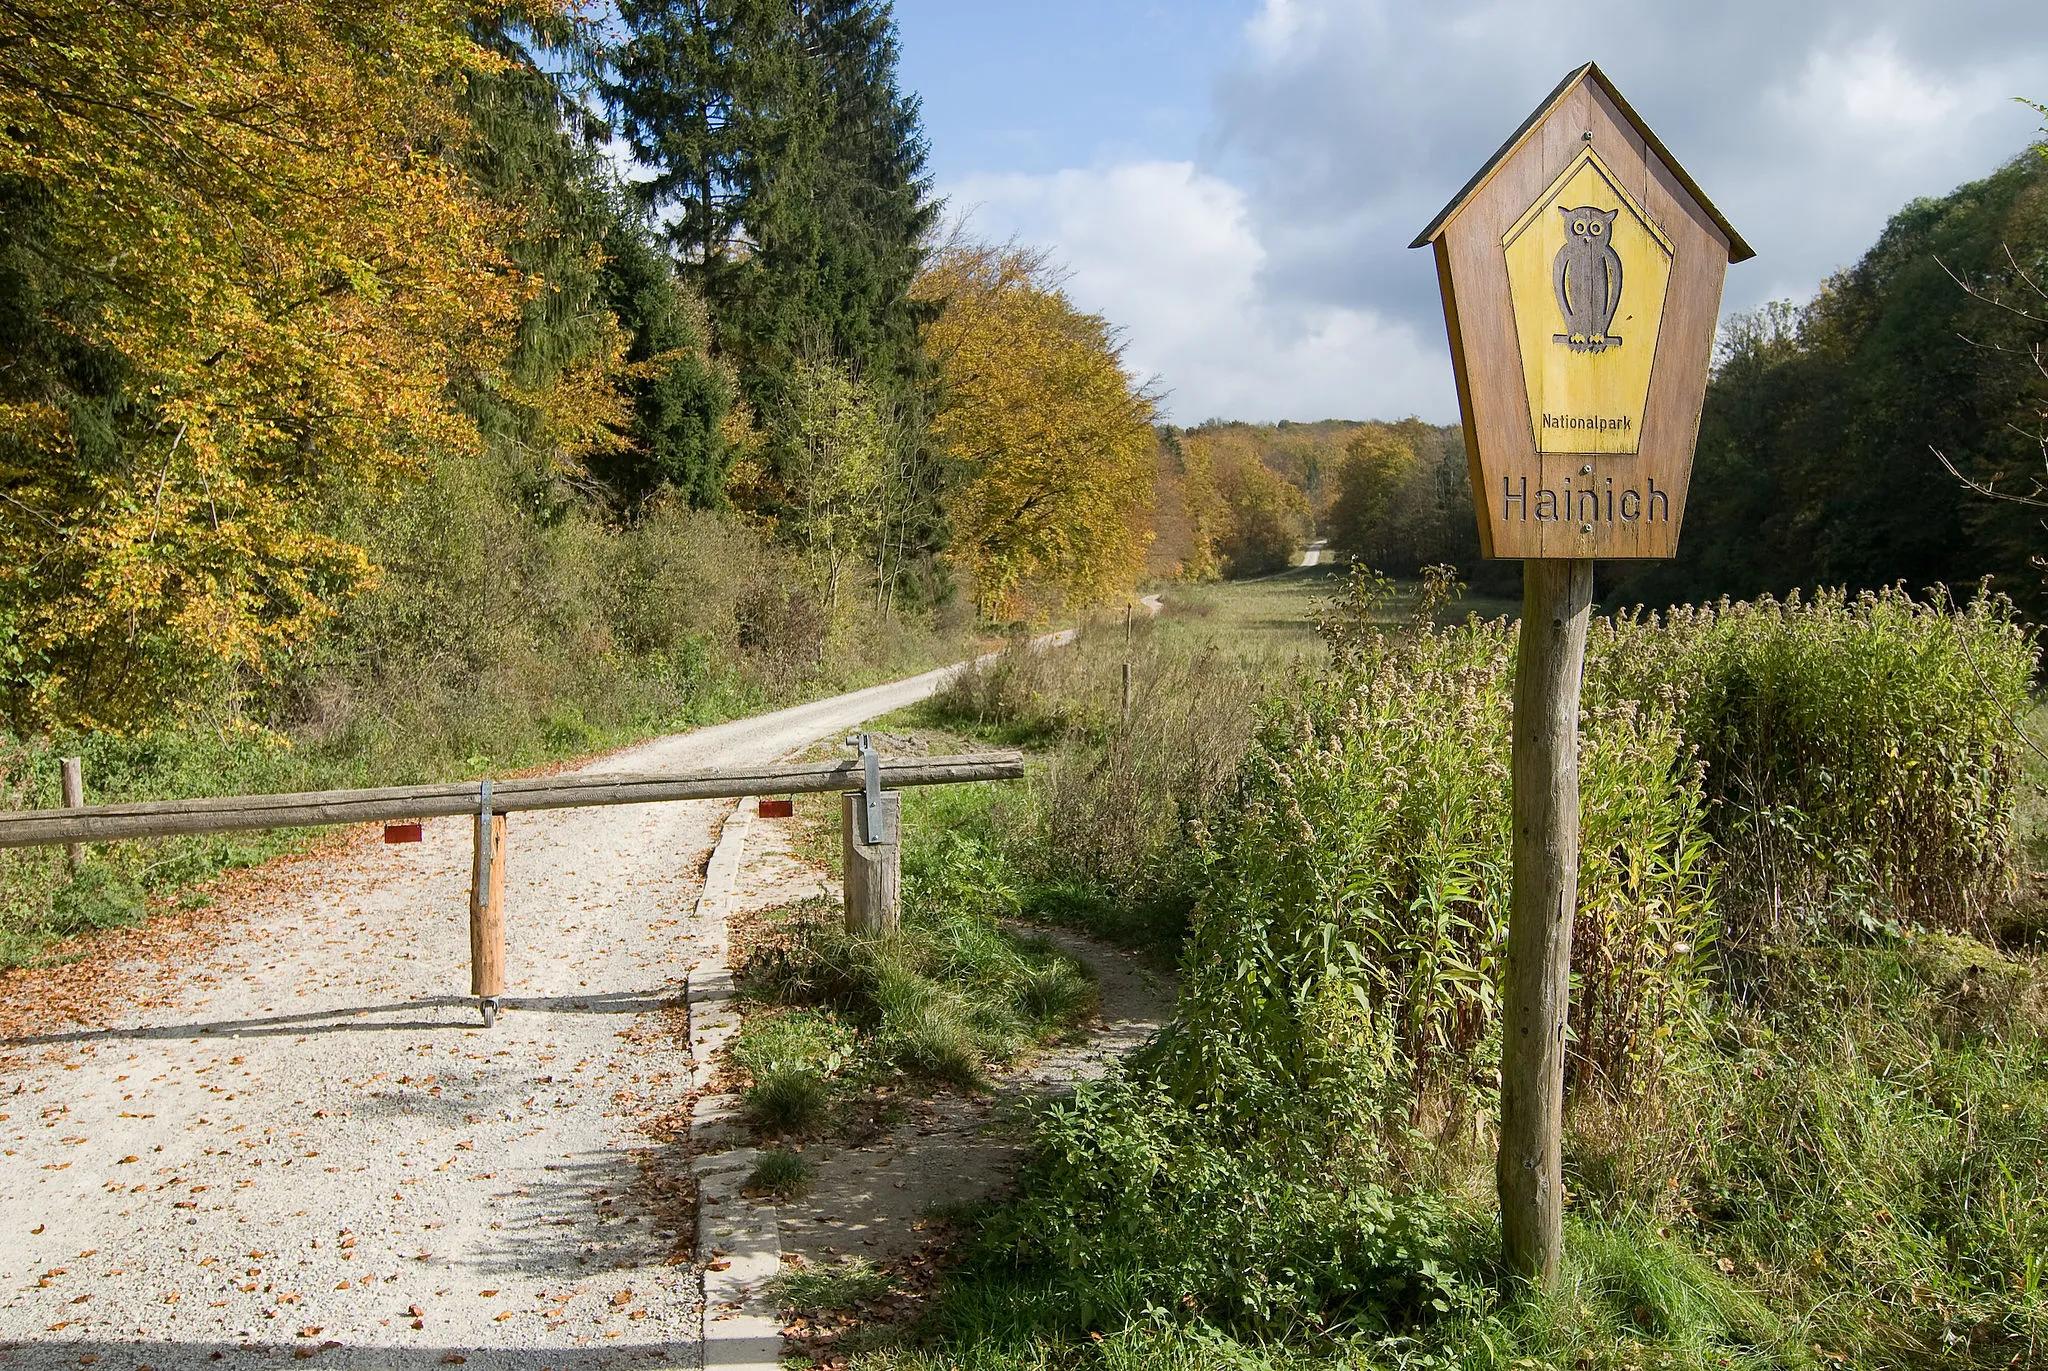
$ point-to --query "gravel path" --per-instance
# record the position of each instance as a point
(304, 1146)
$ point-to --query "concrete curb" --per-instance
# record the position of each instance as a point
(736, 1238)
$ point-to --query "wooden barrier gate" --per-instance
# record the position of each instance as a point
(491, 801)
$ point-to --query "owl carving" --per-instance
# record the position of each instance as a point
(1587, 275)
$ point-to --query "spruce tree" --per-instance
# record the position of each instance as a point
(791, 168)
(593, 252)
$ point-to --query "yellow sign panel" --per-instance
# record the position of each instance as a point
(1587, 272)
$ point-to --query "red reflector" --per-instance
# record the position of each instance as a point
(401, 833)
(778, 809)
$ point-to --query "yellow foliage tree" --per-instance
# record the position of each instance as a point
(1248, 518)
(1055, 438)
(245, 237)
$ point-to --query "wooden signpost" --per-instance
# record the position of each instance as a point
(1581, 272)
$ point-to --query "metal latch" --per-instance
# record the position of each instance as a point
(871, 799)
(486, 842)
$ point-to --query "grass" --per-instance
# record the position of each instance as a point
(829, 1289)
(840, 1022)
(781, 1173)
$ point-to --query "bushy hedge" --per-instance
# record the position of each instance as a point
(1860, 753)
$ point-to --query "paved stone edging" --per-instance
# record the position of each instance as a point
(736, 1238)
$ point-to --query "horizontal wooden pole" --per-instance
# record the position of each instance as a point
(320, 809)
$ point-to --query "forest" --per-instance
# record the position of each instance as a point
(1831, 426)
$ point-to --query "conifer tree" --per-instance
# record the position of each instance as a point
(792, 169)
(608, 299)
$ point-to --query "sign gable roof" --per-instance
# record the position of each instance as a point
(1738, 249)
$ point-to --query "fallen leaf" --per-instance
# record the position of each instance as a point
(622, 1299)
(312, 1332)
(415, 1311)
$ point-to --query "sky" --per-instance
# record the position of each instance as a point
(1235, 182)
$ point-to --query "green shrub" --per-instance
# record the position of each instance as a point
(1859, 753)
(98, 897)
(1136, 1201)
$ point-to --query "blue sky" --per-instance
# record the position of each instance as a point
(1037, 88)
(1236, 183)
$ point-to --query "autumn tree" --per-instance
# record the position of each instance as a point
(1404, 499)
(1187, 511)
(1053, 437)
(1248, 517)
(837, 502)
(1378, 473)
(1267, 519)
(240, 279)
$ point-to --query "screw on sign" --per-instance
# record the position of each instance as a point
(1581, 272)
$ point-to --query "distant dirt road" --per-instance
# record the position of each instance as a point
(303, 1146)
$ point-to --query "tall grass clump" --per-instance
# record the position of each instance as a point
(1107, 831)
(1859, 752)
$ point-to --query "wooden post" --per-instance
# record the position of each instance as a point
(1557, 599)
(1127, 692)
(873, 872)
(487, 909)
(73, 772)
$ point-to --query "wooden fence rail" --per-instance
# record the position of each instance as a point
(488, 802)
(237, 813)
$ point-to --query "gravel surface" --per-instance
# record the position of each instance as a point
(303, 1145)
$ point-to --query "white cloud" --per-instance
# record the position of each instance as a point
(1272, 278)
(1170, 254)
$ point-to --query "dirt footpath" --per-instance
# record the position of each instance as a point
(874, 1198)
(303, 1145)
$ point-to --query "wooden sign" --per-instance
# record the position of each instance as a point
(1581, 273)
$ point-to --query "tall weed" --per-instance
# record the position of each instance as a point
(1112, 821)
(1859, 752)
(1347, 954)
